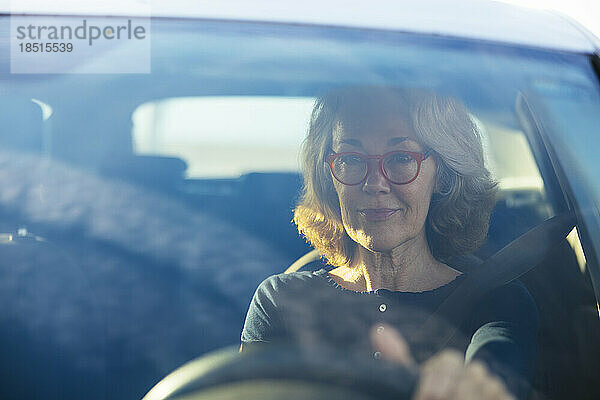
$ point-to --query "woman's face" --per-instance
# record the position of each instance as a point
(378, 214)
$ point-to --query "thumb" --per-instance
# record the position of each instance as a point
(391, 345)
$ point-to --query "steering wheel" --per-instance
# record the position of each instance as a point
(286, 372)
(292, 373)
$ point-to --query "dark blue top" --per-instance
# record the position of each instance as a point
(307, 308)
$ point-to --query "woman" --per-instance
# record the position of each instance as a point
(395, 190)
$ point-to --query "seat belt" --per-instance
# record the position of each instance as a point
(511, 262)
(306, 259)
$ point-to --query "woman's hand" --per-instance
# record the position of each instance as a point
(444, 376)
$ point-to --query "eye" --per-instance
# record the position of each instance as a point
(350, 159)
(400, 158)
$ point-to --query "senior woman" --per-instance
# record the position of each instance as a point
(396, 194)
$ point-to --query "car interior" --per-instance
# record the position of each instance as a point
(118, 266)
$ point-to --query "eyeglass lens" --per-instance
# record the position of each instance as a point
(352, 168)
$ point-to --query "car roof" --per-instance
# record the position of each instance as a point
(473, 19)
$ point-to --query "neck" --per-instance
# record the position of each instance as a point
(409, 267)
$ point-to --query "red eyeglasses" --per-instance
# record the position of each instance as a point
(398, 167)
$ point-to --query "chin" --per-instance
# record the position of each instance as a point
(385, 243)
(378, 240)
(380, 245)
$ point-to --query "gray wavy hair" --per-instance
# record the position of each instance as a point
(465, 194)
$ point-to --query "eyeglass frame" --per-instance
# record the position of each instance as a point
(419, 157)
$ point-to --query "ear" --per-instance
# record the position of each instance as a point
(444, 182)
(437, 186)
(439, 173)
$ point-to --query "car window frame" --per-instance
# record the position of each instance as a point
(542, 135)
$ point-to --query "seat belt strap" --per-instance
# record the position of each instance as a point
(511, 262)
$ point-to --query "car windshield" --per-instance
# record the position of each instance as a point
(140, 211)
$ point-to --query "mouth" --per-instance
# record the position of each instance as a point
(378, 214)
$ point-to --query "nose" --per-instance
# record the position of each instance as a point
(376, 182)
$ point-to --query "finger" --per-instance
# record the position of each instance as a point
(495, 389)
(439, 376)
(478, 383)
(472, 383)
(391, 344)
